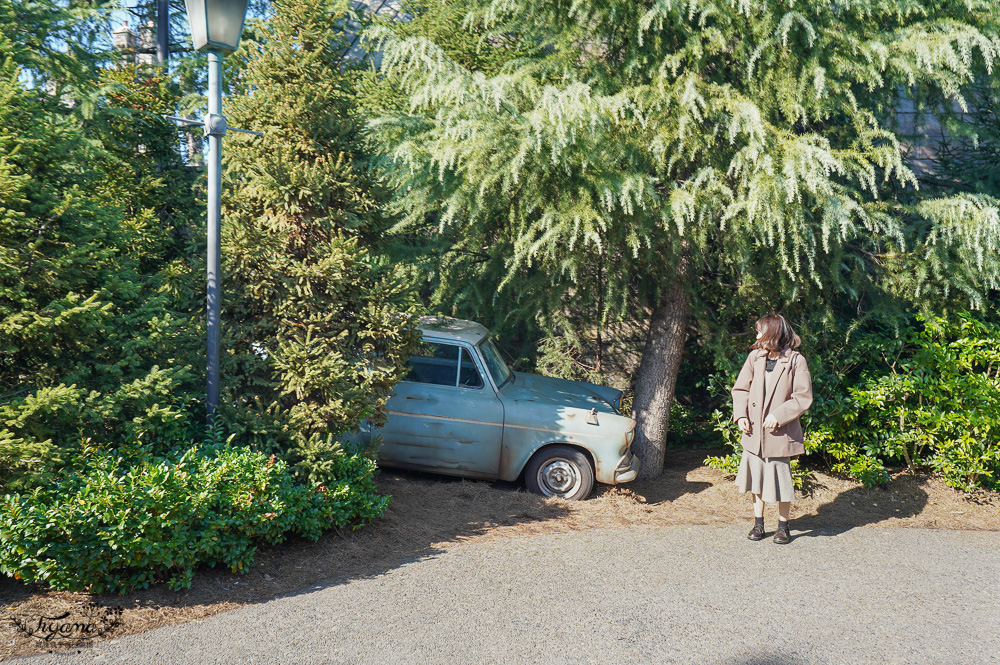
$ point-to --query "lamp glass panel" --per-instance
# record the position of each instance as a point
(197, 19)
(225, 22)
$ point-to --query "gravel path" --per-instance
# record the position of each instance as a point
(688, 594)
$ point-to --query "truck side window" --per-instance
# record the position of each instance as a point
(434, 363)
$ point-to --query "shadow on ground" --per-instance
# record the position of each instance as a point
(862, 506)
(763, 660)
(674, 482)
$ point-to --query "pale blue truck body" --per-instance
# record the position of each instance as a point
(482, 427)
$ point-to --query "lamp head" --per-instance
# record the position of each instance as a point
(216, 25)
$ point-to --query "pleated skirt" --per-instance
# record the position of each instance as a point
(771, 477)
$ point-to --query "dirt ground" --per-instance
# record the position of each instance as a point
(429, 514)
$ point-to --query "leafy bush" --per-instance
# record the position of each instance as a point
(935, 403)
(112, 527)
(926, 398)
(690, 429)
(40, 431)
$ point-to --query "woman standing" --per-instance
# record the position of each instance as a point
(773, 389)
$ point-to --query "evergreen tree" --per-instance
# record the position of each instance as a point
(317, 327)
(58, 43)
(699, 148)
(97, 338)
(457, 274)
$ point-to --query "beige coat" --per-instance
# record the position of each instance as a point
(787, 396)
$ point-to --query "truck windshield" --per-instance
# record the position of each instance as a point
(494, 363)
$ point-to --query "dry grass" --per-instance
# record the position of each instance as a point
(429, 514)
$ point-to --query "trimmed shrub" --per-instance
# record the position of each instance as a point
(111, 526)
(927, 398)
(935, 403)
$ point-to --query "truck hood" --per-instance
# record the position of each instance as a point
(561, 392)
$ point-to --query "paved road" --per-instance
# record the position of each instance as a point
(691, 594)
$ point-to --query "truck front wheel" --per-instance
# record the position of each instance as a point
(560, 471)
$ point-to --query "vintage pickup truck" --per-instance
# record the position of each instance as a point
(461, 411)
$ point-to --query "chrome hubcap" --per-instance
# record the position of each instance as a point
(559, 478)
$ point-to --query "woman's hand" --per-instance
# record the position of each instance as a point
(744, 424)
(770, 422)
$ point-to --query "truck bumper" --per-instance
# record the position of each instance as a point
(628, 468)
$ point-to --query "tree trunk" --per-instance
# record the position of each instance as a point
(657, 377)
(600, 316)
(162, 31)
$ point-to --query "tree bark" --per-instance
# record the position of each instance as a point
(600, 316)
(162, 31)
(657, 376)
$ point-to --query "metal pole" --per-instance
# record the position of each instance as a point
(214, 229)
(162, 31)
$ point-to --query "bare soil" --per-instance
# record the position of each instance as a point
(429, 514)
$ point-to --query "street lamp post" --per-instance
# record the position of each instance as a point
(216, 26)
(216, 127)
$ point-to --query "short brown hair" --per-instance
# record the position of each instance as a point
(777, 336)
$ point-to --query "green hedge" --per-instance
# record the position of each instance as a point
(113, 527)
(927, 398)
(933, 402)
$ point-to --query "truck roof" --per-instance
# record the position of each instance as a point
(447, 327)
